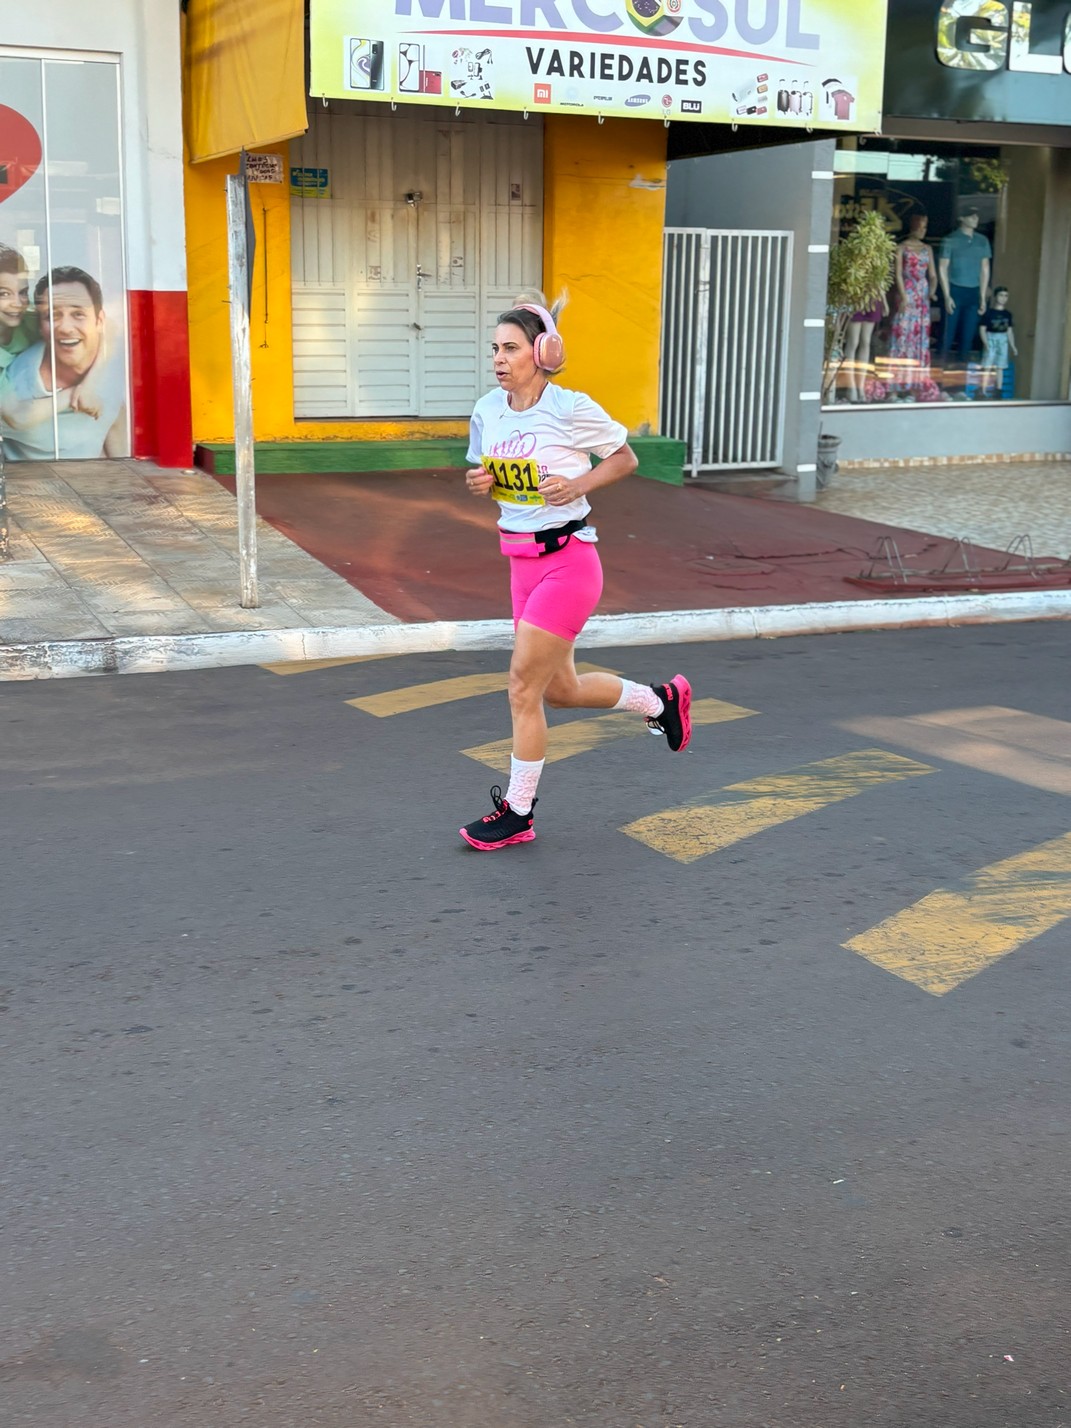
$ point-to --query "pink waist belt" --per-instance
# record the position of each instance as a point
(534, 543)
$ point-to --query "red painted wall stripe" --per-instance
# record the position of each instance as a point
(160, 377)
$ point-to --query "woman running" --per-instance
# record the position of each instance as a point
(534, 441)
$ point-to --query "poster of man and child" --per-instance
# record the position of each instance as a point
(63, 378)
(62, 388)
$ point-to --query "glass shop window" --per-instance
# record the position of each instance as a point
(63, 302)
(971, 305)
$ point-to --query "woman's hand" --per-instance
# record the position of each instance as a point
(479, 481)
(558, 491)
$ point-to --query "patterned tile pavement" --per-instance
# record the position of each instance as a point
(125, 548)
(988, 504)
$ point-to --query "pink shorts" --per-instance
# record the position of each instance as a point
(557, 592)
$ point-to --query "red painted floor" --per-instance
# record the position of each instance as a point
(420, 547)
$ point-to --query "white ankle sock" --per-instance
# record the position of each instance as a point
(639, 699)
(523, 782)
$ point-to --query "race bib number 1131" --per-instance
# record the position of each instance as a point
(516, 482)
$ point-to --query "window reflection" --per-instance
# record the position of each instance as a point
(975, 309)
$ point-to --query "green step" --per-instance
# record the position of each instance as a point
(661, 458)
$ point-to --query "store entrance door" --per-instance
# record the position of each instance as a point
(410, 232)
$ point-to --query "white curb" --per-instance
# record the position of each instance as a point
(153, 654)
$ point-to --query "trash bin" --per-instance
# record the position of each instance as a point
(828, 446)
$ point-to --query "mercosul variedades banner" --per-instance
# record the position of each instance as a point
(792, 63)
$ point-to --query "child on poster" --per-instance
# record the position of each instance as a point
(18, 326)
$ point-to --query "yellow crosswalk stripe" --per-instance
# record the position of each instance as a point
(580, 736)
(717, 820)
(444, 691)
(306, 666)
(954, 933)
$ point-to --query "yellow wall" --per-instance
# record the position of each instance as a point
(603, 242)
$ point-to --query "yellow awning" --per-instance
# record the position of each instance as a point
(245, 75)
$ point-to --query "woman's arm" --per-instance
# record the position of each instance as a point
(942, 270)
(900, 273)
(612, 468)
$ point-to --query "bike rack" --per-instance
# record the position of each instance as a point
(964, 569)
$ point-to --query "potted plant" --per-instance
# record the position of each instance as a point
(860, 274)
(989, 175)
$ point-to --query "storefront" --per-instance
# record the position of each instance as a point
(454, 156)
(969, 173)
(967, 353)
(92, 283)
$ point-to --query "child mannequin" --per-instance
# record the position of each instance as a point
(998, 340)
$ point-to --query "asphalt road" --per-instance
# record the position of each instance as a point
(313, 1116)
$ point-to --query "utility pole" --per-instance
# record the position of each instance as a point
(242, 375)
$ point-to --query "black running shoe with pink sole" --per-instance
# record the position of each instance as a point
(675, 720)
(501, 828)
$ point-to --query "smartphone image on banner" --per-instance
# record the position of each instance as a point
(410, 65)
(365, 64)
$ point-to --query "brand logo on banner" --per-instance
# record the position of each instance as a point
(654, 17)
(775, 63)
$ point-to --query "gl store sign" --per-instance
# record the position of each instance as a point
(785, 63)
(991, 35)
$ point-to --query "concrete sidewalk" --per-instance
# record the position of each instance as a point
(115, 548)
(123, 566)
(988, 503)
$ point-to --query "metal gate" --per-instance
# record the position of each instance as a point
(725, 299)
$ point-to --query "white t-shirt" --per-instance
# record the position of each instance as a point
(80, 435)
(558, 434)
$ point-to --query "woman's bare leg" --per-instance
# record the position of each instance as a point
(538, 658)
(569, 690)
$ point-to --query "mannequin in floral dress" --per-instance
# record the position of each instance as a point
(916, 285)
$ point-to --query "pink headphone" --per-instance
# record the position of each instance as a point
(548, 348)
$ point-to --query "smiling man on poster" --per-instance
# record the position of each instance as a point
(89, 394)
